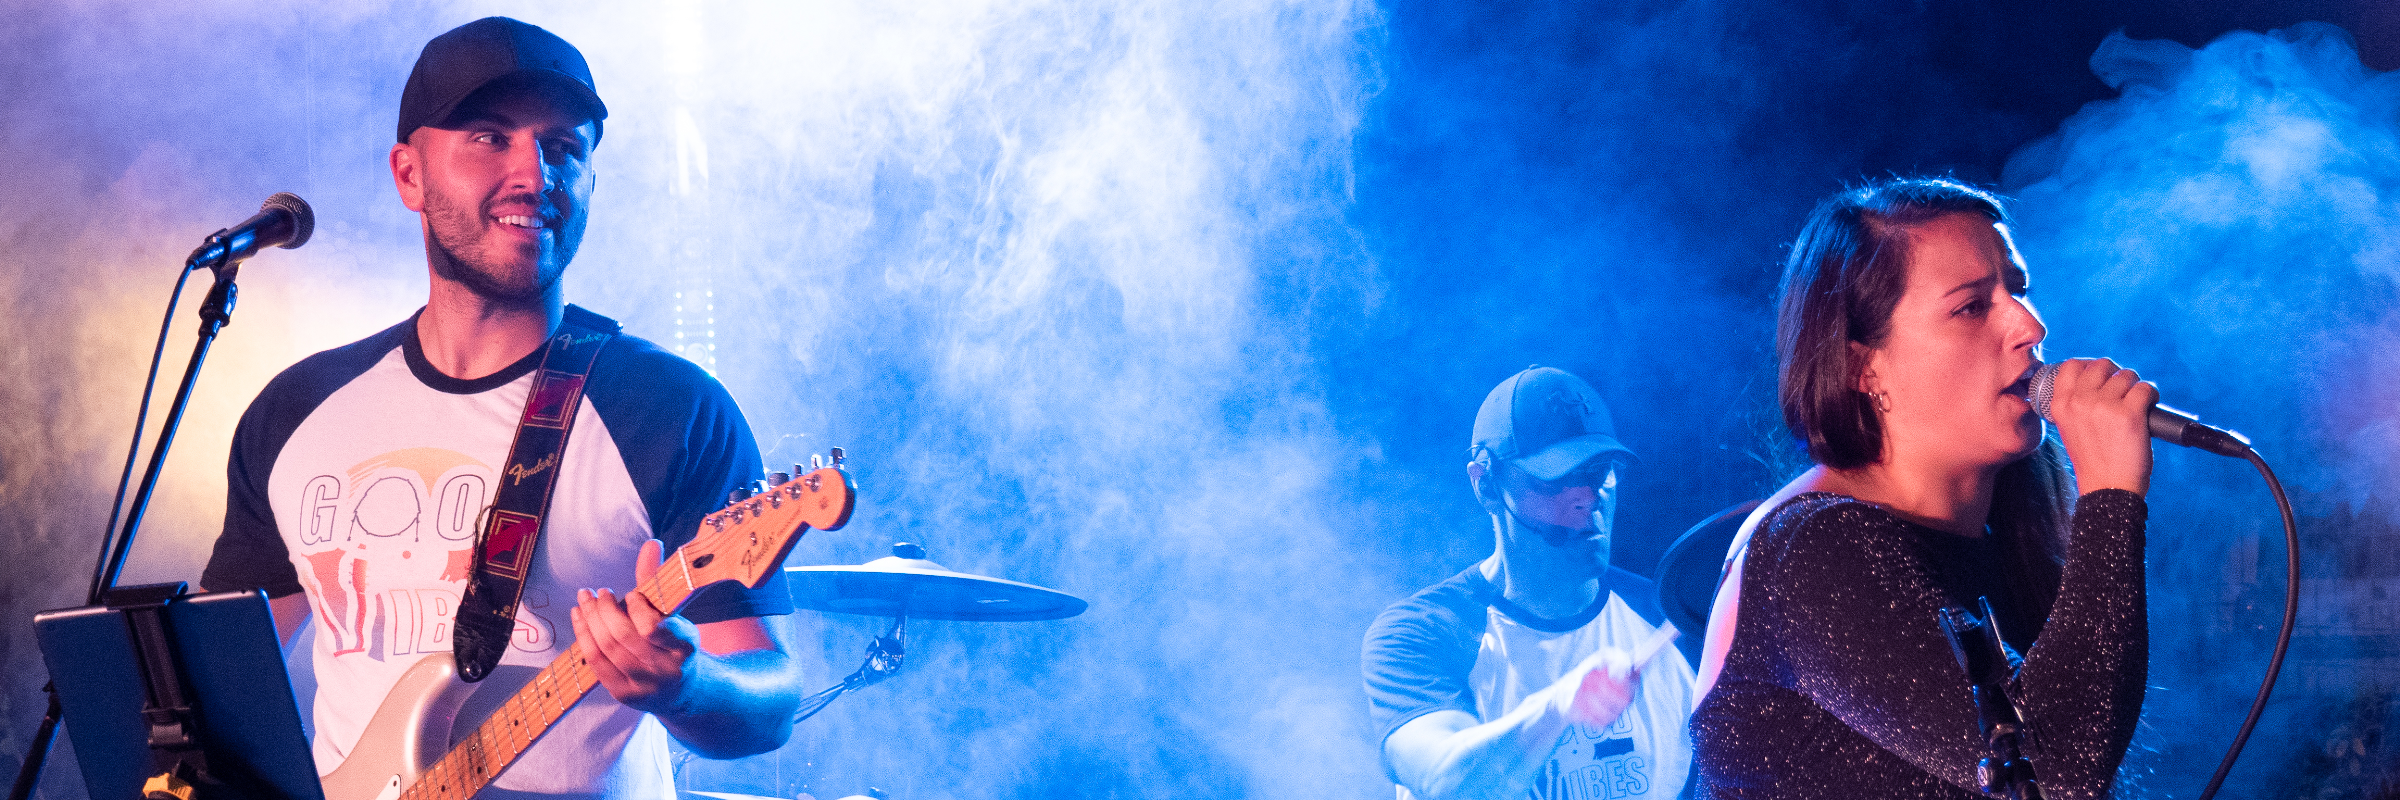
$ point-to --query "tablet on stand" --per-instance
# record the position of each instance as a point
(229, 674)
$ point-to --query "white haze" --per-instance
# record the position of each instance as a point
(1009, 254)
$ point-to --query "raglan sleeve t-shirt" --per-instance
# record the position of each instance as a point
(359, 474)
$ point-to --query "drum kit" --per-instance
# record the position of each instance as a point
(902, 585)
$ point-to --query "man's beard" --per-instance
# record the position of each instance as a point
(449, 226)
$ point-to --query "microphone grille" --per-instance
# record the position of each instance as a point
(304, 219)
(2040, 389)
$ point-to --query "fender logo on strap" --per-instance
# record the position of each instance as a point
(571, 340)
(517, 473)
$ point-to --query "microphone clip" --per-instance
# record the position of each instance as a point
(212, 253)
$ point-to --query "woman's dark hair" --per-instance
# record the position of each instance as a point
(1846, 273)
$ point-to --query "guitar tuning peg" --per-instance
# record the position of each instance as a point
(739, 493)
(815, 462)
(758, 487)
(837, 456)
(799, 468)
(778, 478)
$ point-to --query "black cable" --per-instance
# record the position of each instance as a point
(141, 416)
(2283, 640)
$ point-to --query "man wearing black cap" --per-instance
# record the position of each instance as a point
(364, 477)
(1540, 671)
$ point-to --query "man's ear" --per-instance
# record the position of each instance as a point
(1486, 482)
(408, 175)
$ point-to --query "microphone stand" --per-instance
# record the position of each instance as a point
(216, 311)
(1988, 663)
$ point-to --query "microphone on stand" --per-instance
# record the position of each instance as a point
(283, 221)
(2167, 423)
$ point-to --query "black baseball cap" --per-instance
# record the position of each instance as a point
(456, 64)
(1547, 423)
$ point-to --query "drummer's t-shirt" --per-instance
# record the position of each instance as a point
(359, 474)
(1460, 646)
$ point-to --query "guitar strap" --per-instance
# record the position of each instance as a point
(512, 526)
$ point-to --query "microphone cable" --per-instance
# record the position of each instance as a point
(2283, 639)
(2168, 424)
(141, 417)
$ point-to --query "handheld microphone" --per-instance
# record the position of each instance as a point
(2167, 423)
(283, 221)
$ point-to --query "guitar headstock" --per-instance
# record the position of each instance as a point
(747, 539)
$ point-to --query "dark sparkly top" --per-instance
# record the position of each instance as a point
(1840, 684)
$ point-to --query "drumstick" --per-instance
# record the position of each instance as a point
(1642, 653)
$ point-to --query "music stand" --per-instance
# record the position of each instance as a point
(231, 677)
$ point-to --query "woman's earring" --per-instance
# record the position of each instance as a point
(1883, 402)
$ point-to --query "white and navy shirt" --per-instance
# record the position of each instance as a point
(359, 474)
(1459, 645)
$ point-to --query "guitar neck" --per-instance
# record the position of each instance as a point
(475, 760)
(743, 542)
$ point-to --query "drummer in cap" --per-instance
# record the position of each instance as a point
(1541, 668)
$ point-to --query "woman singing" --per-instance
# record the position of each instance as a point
(1905, 349)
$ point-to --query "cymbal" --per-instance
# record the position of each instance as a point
(906, 584)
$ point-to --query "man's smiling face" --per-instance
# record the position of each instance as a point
(503, 186)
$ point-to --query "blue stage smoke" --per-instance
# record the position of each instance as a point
(1186, 308)
(2230, 226)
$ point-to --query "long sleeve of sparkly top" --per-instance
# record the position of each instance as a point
(1850, 614)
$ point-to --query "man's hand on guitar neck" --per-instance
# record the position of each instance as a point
(725, 689)
(639, 653)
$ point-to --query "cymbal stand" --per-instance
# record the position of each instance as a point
(883, 661)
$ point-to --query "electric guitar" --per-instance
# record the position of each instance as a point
(400, 754)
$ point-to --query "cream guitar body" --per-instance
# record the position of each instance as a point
(407, 752)
(407, 735)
